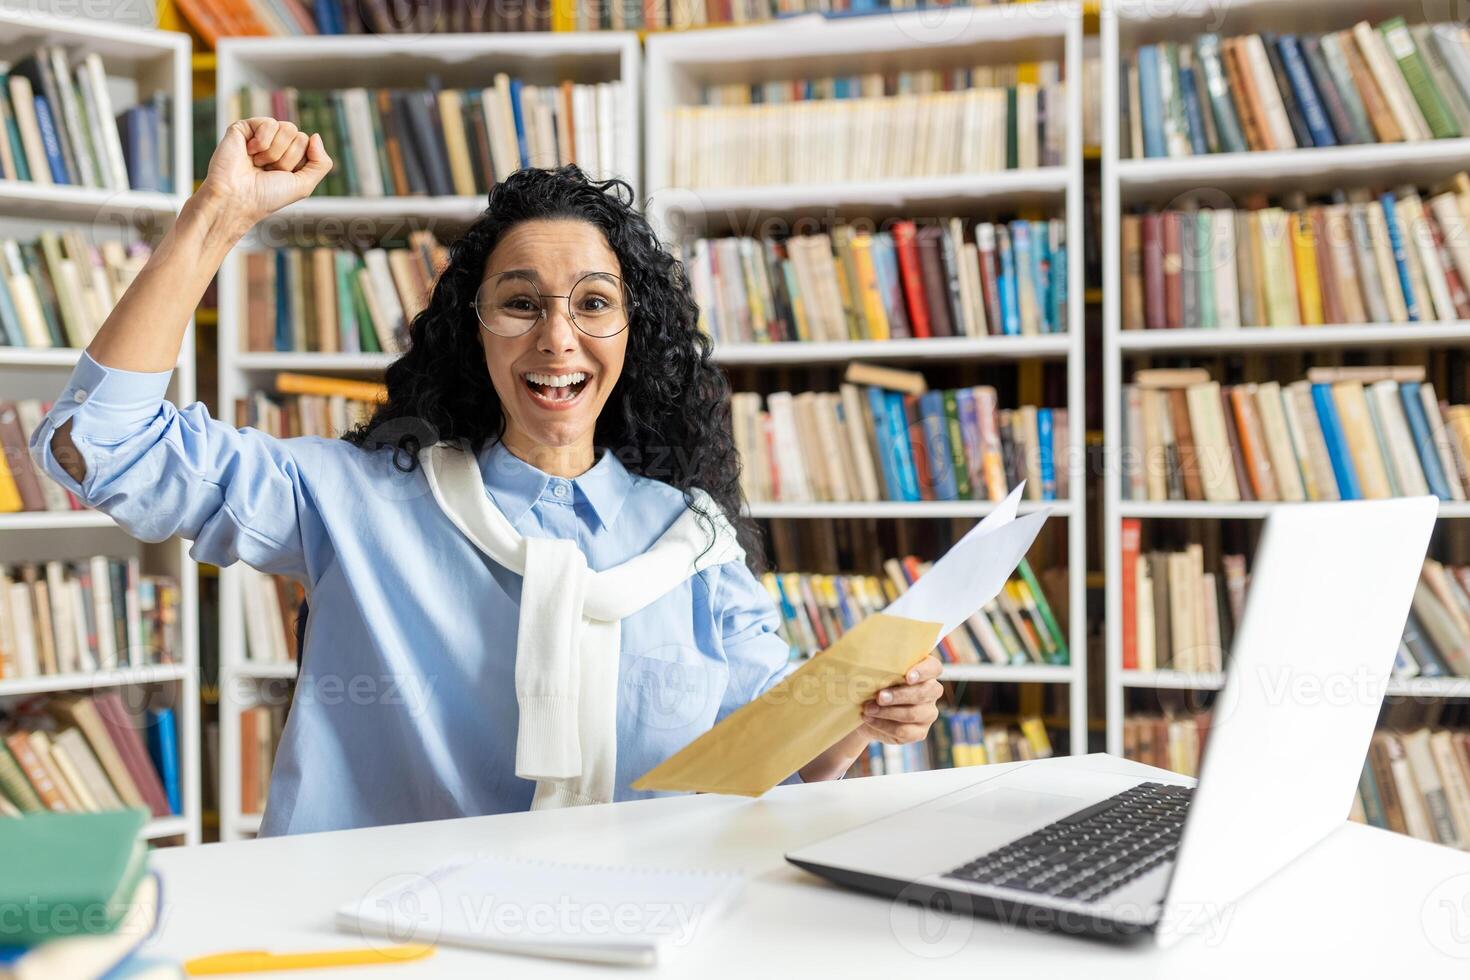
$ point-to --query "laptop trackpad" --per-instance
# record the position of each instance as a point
(1019, 806)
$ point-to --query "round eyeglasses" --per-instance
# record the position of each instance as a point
(509, 304)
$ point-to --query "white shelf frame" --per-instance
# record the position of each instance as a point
(339, 62)
(782, 50)
(1156, 180)
(155, 59)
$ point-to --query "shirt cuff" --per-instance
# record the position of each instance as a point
(105, 404)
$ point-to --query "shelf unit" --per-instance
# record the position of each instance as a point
(461, 60)
(1158, 181)
(677, 64)
(136, 61)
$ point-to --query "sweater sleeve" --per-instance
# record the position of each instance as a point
(161, 471)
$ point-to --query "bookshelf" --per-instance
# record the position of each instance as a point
(1227, 178)
(677, 65)
(137, 63)
(460, 60)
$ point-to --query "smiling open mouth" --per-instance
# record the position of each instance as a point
(556, 388)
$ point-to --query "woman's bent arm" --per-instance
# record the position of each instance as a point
(259, 166)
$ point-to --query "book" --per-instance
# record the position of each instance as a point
(88, 868)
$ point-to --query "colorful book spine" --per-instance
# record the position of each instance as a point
(1348, 487)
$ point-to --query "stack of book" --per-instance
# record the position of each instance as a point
(213, 19)
(1017, 627)
(1354, 257)
(448, 141)
(271, 606)
(22, 488)
(1170, 742)
(1176, 615)
(1396, 82)
(1008, 279)
(260, 734)
(897, 440)
(56, 290)
(959, 737)
(58, 126)
(86, 754)
(1340, 434)
(1418, 783)
(89, 899)
(876, 126)
(67, 617)
(334, 299)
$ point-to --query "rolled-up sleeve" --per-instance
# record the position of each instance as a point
(161, 471)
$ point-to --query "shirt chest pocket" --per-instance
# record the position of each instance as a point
(668, 694)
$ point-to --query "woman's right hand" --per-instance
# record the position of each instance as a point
(261, 165)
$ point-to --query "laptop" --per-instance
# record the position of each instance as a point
(1055, 846)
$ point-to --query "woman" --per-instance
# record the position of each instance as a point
(525, 571)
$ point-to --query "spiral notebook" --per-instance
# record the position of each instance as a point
(628, 916)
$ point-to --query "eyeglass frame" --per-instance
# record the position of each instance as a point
(632, 304)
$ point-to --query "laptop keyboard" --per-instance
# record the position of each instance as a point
(1092, 852)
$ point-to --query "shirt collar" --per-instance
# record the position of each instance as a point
(515, 484)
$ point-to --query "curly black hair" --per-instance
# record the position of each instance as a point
(667, 418)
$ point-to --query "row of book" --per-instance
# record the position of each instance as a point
(22, 486)
(959, 737)
(260, 734)
(925, 123)
(1396, 82)
(1358, 257)
(271, 605)
(870, 443)
(1436, 641)
(335, 299)
(1176, 615)
(288, 416)
(84, 754)
(1414, 782)
(909, 281)
(1339, 434)
(57, 289)
(440, 141)
(99, 613)
(1418, 783)
(1164, 741)
(213, 19)
(1018, 626)
(58, 126)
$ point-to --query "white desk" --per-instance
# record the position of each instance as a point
(1361, 903)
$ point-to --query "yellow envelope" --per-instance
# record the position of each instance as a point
(763, 742)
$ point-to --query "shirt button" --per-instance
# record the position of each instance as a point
(80, 395)
(561, 490)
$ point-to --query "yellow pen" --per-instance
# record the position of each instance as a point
(255, 960)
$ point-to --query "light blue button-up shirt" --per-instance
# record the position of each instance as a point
(405, 707)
